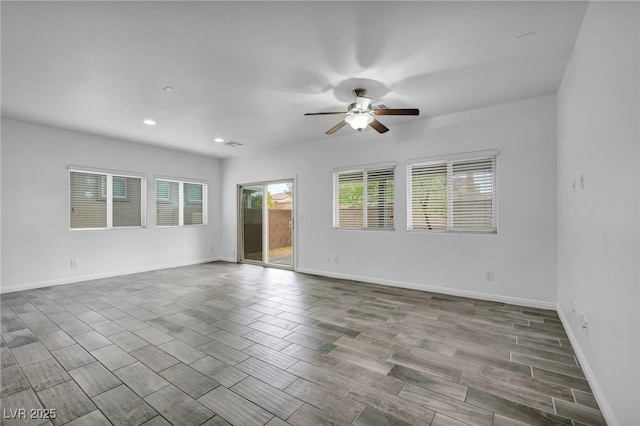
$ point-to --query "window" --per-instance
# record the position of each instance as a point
(163, 190)
(167, 203)
(456, 195)
(99, 200)
(119, 187)
(180, 203)
(363, 198)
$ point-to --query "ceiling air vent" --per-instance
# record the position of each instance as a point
(232, 144)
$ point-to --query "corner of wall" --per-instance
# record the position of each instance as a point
(598, 392)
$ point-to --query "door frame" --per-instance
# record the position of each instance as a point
(265, 229)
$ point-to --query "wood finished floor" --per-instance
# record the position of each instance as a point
(221, 343)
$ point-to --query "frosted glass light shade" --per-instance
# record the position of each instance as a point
(358, 121)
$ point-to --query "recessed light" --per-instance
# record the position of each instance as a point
(219, 140)
(168, 89)
(149, 122)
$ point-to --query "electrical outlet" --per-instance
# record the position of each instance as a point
(335, 259)
(584, 324)
(74, 263)
(488, 276)
(573, 307)
(327, 258)
(212, 248)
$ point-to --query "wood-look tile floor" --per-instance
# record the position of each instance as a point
(221, 343)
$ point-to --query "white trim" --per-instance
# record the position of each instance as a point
(96, 170)
(598, 393)
(143, 201)
(110, 201)
(295, 216)
(180, 204)
(183, 180)
(81, 278)
(365, 167)
(249, 182)
(530, 303)
(472, 155)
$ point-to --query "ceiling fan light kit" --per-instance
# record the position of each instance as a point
(360, 114)
(358, 120)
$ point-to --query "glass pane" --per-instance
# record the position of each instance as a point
(162, 190)
(252, 222)
(167, 203)
(429, 198)
(472, 195)
(193, 204)
(380, 198)
(280, 202)
(87, 205)
(119, 186)
(350, 200)
(127, 201)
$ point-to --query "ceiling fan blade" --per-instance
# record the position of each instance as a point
(323, 113)
(378, 126)
(337, 127)
(401, 111)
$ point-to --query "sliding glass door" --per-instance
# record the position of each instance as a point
(266, 223)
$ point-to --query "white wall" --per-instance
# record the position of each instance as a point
(598, 238)
(37, 245)
(522, 255)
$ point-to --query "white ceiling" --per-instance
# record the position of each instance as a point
(247, 71)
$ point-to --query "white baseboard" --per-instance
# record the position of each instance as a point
(228, 259)
(80, 278)
(603, 403)
(435, 289)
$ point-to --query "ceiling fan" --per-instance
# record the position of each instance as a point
(360, 114)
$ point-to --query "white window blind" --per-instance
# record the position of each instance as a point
(193, 208)
(452, 195)
(87, 204)
(127, 201)
(364, 199)
(103, 200)
(167, 203)
(348, 200)
(180, 203)
(427, 197)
